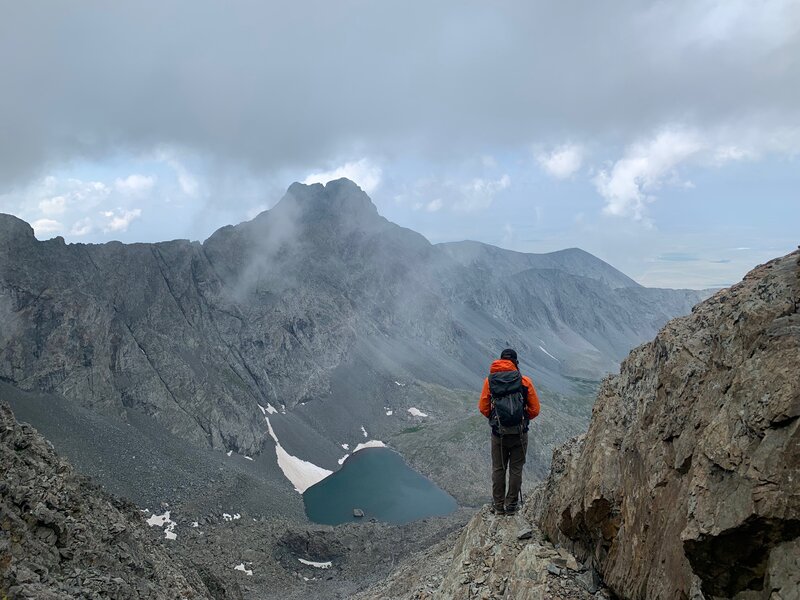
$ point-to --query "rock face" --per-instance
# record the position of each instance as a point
(61, 537)
(319, 309)
(688, 480)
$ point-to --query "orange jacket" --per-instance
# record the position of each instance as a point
(485, 403)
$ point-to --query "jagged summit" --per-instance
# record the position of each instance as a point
(340, 199)
(339, 205)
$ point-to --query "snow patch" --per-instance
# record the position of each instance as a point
(195, 524)
(233, 517)
(364, 431)
(165, 522)
(400, 384)
(248, 457)
(548, 354)
(346, 446)
(301, 473)
(229, 452)
(269, 410)
(370, 444)
(240, 567)
(388, 410)
(417, 412)
(344, 458)
(318, 565)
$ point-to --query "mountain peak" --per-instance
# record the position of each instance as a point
(338, 197)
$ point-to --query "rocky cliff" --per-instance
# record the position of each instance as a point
(687, 484)
(62, 537)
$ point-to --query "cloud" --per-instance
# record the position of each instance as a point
(434, 205)
(135, 184)
(562, 162)
(186, 180)
(463, 195)
(363, 172)
(644, 168)
(188, 183)
(43, 226)
(479, 193)
(281, 90)
(53, 206)
(119, 219)
(82, 227)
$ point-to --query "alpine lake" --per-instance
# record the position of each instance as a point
(380, 483)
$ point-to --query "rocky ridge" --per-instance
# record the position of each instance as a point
(62, 537)
(687, 484)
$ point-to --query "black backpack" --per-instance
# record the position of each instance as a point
(509, 397)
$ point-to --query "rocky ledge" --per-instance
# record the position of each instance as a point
(687, 484)
(493, 557)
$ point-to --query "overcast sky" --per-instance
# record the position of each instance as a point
(661, 136)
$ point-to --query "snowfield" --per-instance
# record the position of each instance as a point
(417, 412)
(301, 473)
(370, 444)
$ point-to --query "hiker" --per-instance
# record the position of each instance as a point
(509, 401)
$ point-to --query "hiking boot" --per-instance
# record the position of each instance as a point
(510, 510)
(497, 510)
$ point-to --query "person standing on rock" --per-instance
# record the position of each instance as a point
(510, 402)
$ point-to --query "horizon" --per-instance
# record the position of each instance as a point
(661, 138)
(286, 195)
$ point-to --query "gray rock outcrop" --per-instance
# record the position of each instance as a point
(489, 560)
(62, 537)
(687, 484)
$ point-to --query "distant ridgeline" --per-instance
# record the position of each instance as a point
(323, 310)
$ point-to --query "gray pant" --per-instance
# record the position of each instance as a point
(508, 455)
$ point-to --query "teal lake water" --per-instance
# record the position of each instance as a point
(379, 482)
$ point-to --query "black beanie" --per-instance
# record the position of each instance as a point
(509, 354)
